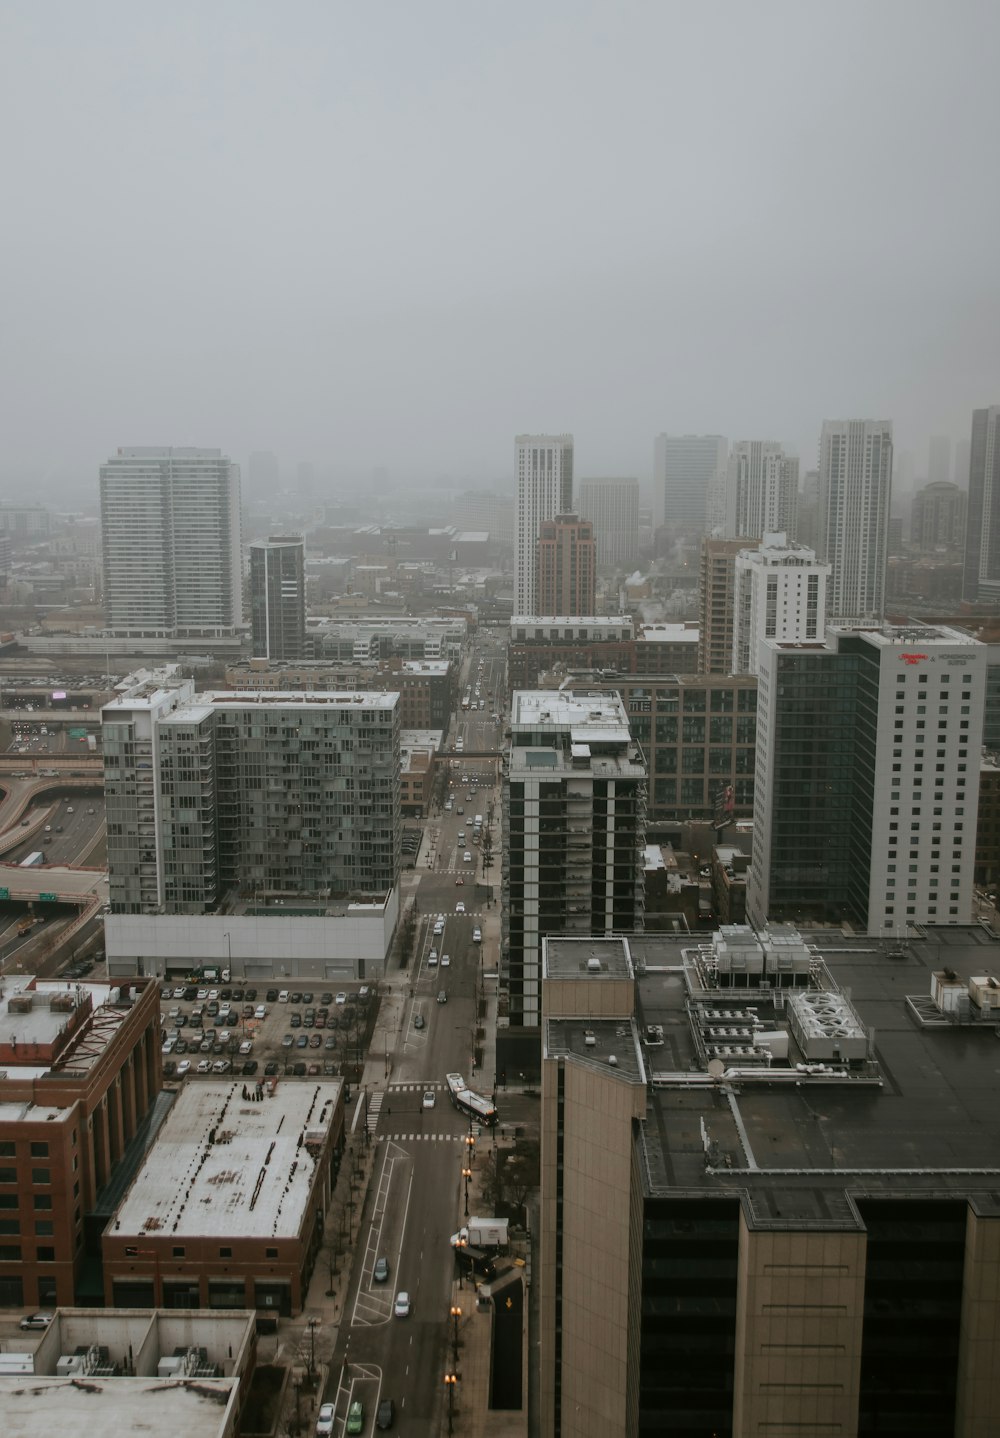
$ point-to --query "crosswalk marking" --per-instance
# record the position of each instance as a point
(419, 1138)
(415, 1087)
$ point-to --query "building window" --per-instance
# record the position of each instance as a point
(44, 1228)
(177, 1252)
(42, 1200)
(39, 1150)
(41, 1175)
(270, 1253)
(225, 1253)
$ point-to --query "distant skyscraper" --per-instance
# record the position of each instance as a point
(278, 598)
(762, 490)
(567, 566)
(982, 534)
(855, 471)
(544, 489)
(938, 517)
(170, 522)
(962, 452)
(780, 593)
(477, 509)
(688, 470)
(716, 601)
(939, 459)
(613, 505)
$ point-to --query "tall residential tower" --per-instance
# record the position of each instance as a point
(981, 581)
(544, 489)
(855, 473)
(278, 598)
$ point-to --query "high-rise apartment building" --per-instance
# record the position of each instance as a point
(567, 567)
(170, 521)
(780, 593)
(544, 489)
(762, 490)
(689, 473)
(278, 598)
(269, 797)
(855, 474)
(766, 1205)
(716, 601)
(981, 580)
(937, 517)
(867, 781)
(613, 505)
(574, 820)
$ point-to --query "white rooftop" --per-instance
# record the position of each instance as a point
(224, 1165)
(669, 633)
(588, 716)
(150, 1406)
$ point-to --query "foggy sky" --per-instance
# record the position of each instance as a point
(399, 234)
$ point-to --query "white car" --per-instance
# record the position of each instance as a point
(204, 1066)
(283, 997)
(183, 1067)
(325, 1420)
(246, 1047)
(341, 998)
(224, 1036)
(260, 1012)
(432, 959)
(202, 996)
(213, 995)
(179, 993)
(445, 960)
(429, 1099)
(402, 1306)
(467, 856)
(459, 907)
(477, 935)
(174, 1012)
(438, 927)
(168, 1047)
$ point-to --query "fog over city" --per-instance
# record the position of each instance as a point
(396, 235)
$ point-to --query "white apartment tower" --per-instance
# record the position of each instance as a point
(867, 778)
(855, 474)
(689, 479)
(544, 489)
(170, 521)
(779, 593)
(762, 490)
(612, 506)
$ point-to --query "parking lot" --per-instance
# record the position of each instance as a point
(208, 1028)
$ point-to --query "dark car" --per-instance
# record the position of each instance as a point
(271, 996)
(226, 995)
(250, 995)
(169, 1068)
(308, 1019)
(330, 1042)
(295, 998)
(315, 1041)
(190, 994)
(299, 1070)
(307, 998)
(333, 1022)
(237, 996)
(271, 1068)
(380, 1273)
(386, 1415)
(302, 1042)
(250, 1067)
(295, 1020)
(326, 998)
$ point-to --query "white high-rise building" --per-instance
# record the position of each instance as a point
(780, 593)
(855, 472)
(867, 778)
(170, 521)
(981, 581)
(762, 490)
(689, 479)
(544, 489)
(612, 505)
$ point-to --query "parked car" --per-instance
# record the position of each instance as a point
(325, 1420)
(386, 1414)
(184, 1067)
(37, 1320)
(380, 1273)
(356, 1417)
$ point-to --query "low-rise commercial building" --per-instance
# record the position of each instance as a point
(228, 1208)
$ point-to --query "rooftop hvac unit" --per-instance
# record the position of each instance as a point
(172, 1367)
(594, 966)
(69, 1363)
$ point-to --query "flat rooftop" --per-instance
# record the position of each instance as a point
(589, 957)
(800, 1141)
(54, 1008)
(39, 1405)
(584, 714)
(605, 1043)
(222, 1164)
(318, 699)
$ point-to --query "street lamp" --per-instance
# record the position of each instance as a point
(312, 1347)
(450, 1380)
(456, 1314)
(460, 1243)
(466, 1174)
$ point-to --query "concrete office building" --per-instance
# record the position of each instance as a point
(278, 599)
(981, 579)
(567, 567)
(170, 522)
(779, 593)
(544, 489)
(225, 810)
(80, 1072)
(762, 490)
(766, 1203)
(689, 474)
(867, 782)
(574, 818)
(855, 474)
(613, 506)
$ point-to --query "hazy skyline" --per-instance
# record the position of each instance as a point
(400, 235)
